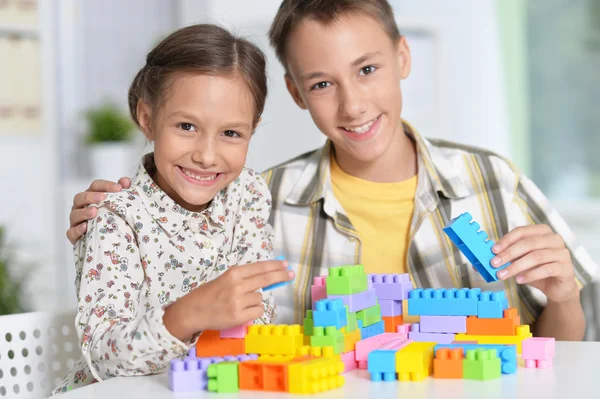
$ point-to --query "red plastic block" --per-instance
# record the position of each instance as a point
(507, 325)
(448, 363)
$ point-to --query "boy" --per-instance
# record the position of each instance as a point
(379, 194)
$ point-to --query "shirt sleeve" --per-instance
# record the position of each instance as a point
(118, 337)
(253, 234)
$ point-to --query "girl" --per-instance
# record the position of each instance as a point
(153, 268)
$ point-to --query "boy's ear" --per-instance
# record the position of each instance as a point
(294, 92)
(144, 117)
(404, 57)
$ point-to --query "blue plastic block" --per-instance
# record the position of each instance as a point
(330, 312)
(474, 244)
(277, 285)
(382, 365)
(443, 302)
(491, 305)
(372, 330)
(506, 353)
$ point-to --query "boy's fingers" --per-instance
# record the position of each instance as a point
(531, 260)
(125, 182)
(540, 273)
(74, 233)
(525, 246)
(518, 234)
(81, 200)
(104, 186)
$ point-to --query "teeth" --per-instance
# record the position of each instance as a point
(200, 178)
(361, 129)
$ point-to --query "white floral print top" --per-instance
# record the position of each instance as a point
(142, 252)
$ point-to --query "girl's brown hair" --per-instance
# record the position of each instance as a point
(205, 49)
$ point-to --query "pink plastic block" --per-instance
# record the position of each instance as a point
(443, 324)
(349, 361)
(363, 365)
(359, 301)
(390, 307)
(236, 332)
(318, 290)
(538, 352)
(394, 345)
(363, 347)
(416, 335)
(403, 329)
(391, 286)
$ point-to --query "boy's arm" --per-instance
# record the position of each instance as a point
(564, 321)
(118, 336)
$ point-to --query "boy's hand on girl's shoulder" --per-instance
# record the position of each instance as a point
(539, 258)
(81, 213)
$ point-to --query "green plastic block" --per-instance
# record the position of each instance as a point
(369, 316)
(346, 280)
(351, 325)
(308, 323)
(328, 336)
(223, 377)
(481, 364)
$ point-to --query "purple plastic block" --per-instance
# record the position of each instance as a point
(416, 335)
(390, 307)
(443, 324)
(359, 301)
(187, 376)
(391, 286)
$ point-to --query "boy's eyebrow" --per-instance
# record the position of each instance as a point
(355, 63)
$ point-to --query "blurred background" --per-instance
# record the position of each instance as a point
(519, 77)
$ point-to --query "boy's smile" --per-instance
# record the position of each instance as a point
(347, 74)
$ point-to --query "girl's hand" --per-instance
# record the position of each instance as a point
(539, 258)
(229, 300)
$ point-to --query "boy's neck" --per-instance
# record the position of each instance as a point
(397, 163)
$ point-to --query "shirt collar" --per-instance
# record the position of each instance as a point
(171, 216)
(435, 176)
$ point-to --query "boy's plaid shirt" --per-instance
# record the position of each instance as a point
(313, 232)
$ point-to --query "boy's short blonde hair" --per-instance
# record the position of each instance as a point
(292, 12)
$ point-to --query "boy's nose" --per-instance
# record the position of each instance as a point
(352, 103)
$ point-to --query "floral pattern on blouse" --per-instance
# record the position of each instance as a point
(142, 252)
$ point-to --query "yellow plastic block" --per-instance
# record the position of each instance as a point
(350, 339)
(522, 334)
(280, 339)
(415, 361)
(316, 351)
(276, 358)
(316, 375)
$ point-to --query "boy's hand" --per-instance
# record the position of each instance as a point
(229, 300)
(539, 258)
(80, 213)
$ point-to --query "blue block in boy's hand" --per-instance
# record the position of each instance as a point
(474, 244)
(270, 287)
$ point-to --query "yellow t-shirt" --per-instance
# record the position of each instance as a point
(381, 214)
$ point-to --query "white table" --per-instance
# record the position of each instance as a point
(576, 374)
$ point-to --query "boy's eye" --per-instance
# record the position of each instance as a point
(320, 85)
(188, 127)
(369, 69)
(231, 133)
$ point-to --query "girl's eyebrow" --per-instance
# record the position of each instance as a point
(229, 124)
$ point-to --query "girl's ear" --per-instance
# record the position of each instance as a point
(144, 116)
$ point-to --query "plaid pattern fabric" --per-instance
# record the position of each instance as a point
(313, 232)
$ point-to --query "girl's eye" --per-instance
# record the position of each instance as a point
(320, 85)
(231, 133)
(369, 69)
(188, 127)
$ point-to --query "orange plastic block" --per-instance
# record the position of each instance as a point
(392, 322)
(448, 363)
(415, 361)
(210, 344)
(350, 339)
(504, 326)
(279, 339)
(267, 374)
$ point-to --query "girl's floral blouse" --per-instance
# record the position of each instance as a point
(144, 251)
